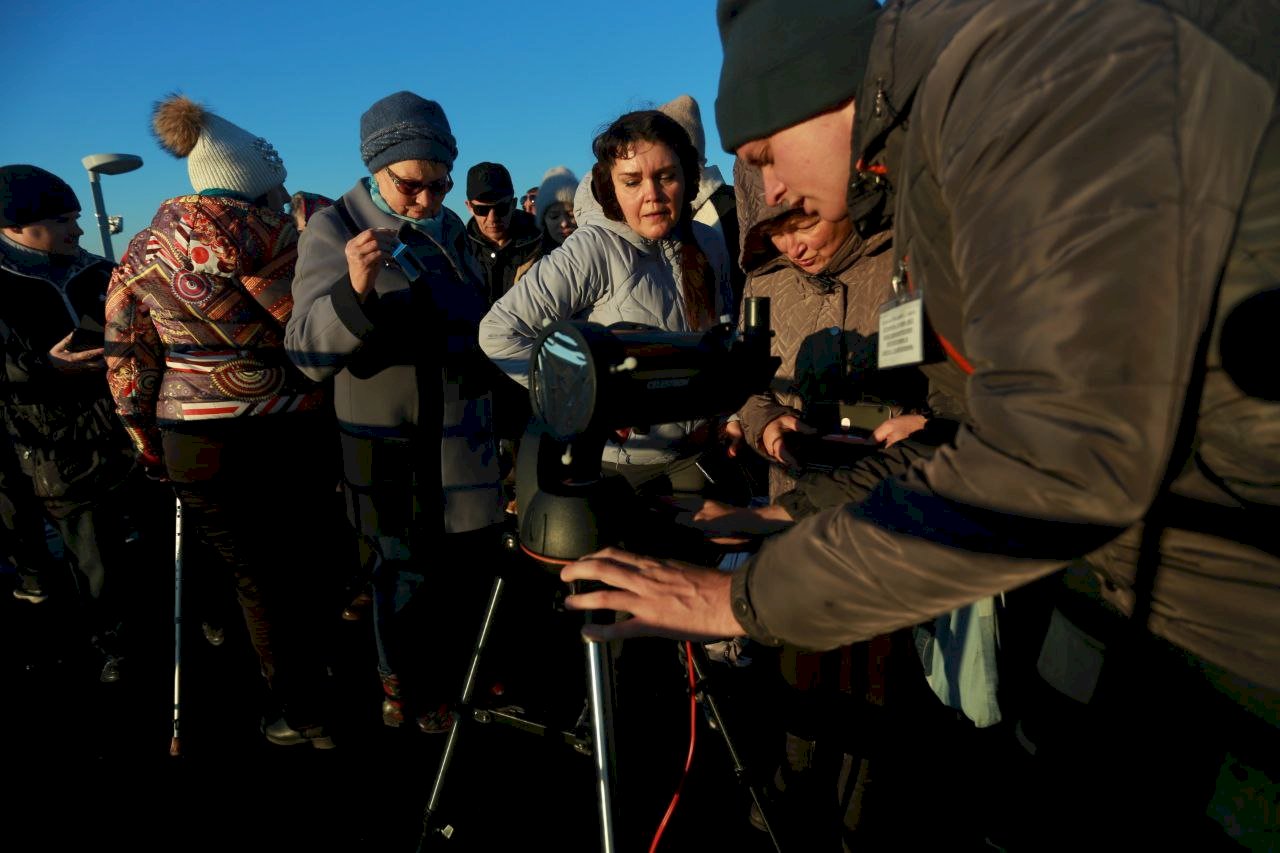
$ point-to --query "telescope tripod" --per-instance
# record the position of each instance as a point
(593, 734)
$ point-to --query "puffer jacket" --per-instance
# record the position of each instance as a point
(61, 427)
(604, 273)
(716, 205)
(405, 364)
(1069, 190)
(195, 319)
(824, 325)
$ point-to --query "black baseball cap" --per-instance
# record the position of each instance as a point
(489, 182)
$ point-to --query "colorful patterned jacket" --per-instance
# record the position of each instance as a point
(195, 319)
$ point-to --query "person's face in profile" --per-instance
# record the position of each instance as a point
(807, 165)
(57, 235)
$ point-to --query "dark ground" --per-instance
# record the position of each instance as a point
(86, 765)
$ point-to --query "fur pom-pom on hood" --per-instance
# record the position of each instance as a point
(177, 122)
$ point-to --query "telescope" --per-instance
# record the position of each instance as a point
(586, 381)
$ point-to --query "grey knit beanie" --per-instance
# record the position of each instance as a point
(558, 185)
(405, 126)
(220, 155)
(786, 61)
(685, 110)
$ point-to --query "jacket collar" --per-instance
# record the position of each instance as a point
(909, 37)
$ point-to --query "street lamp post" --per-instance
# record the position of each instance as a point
(107, 164)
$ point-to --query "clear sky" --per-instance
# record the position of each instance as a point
(527, 84)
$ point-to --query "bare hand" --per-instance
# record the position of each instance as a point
(725, 524)
(732, 437)
(895, 429)
(771, 439)
(366, 252)
(84, 361)
(666, 598)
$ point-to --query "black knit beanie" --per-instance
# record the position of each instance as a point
(786, 61)
(29, 194)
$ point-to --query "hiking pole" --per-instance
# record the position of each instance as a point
(174, 747)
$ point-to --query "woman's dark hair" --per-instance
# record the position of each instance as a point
(616, 142)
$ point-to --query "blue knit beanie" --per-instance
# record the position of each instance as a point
(405, 126)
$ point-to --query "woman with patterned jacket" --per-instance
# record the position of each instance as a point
(196, 364)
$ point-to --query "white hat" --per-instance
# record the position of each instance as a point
(558, 184)
(220, 155)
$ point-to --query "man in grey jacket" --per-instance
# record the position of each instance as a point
(411, 388)
(1044, 142)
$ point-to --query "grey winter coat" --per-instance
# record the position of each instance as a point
(603, 273)
(383, 354)
(1070, 187)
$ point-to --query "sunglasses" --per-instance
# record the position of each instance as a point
(502, 208)
(413, 189)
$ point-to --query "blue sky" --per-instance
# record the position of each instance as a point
(527, 84)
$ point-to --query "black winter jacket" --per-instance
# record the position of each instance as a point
(63, 427)
(500, 265)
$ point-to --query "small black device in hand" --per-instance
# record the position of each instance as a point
(86, 339)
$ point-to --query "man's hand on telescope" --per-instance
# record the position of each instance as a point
(665, 598)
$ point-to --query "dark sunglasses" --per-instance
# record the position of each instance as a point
(502, 208)
(413, 189)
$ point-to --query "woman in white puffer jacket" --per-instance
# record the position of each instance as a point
(637, 257)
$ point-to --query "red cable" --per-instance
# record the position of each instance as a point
(693, 737)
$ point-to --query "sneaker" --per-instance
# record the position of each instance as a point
(29, 589)
(110, 670)
(282, 734)
(436, 722)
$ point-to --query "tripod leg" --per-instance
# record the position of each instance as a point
(708, 701)
(600, 684)
(468, 688)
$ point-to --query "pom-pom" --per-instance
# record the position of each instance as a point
(177, 121)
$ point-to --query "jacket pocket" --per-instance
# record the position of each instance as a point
(58, 474)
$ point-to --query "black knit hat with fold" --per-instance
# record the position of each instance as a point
(788, 60)
(29, 194)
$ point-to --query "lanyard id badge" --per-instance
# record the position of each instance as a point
(901, 338)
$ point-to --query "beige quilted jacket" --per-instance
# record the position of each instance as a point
(824, 325)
